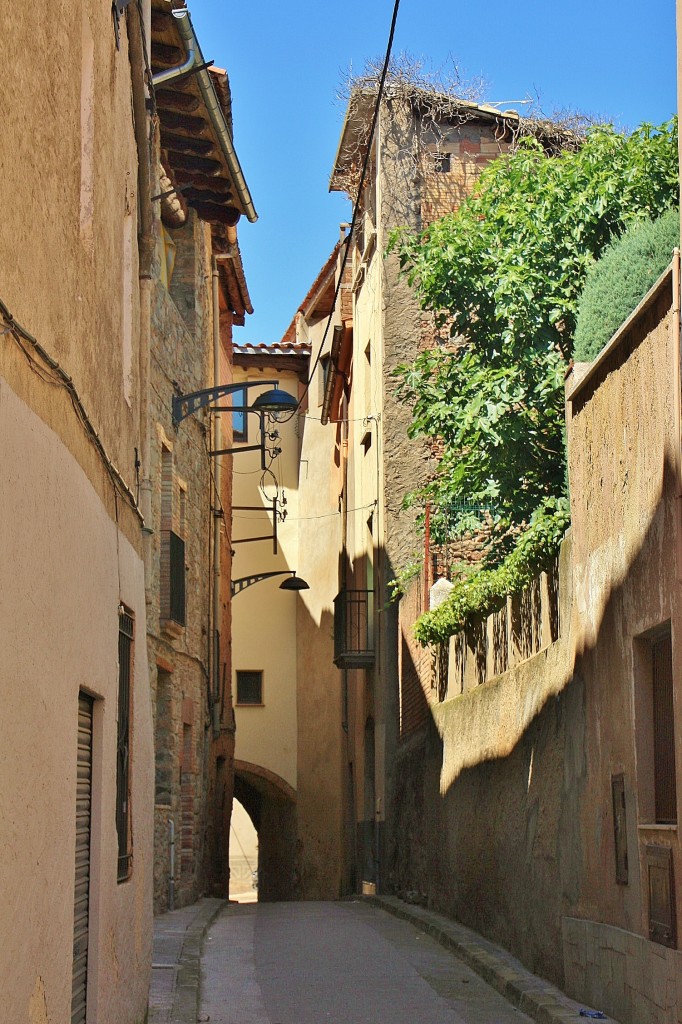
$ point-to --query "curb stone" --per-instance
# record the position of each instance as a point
(185, 1004)
(534, 996)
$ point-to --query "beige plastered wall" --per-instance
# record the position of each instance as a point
(263, 616)
(324, 828)
(69, 169)
(68, 273)
(365, 541)
(69, 566)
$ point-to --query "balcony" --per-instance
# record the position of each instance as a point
(354, 629)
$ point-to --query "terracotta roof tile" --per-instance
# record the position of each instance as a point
(283, 348)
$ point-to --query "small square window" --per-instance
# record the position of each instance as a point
(441, 163)
(249, 687)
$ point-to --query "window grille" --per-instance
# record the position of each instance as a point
(353, 628)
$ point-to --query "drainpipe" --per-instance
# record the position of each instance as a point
(217, 477)
(170, 73)
(146, 246)
(171, 865)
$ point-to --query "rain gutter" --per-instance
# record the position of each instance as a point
(214, 109)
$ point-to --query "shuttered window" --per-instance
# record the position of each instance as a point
(125, 650)
(82, 887)
(665, 792)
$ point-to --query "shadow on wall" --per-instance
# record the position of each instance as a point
(523, 837)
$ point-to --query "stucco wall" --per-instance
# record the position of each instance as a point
(70, 542)
(70, 567)
(508, 753)
(69, 165)
(263, 616)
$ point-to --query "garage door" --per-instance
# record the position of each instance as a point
(82, 890)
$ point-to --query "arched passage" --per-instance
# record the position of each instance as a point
(271, 805)
(243, 855)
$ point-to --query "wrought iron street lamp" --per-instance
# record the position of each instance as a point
(273, 401)
(293, 583)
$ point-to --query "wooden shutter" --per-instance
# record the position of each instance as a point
(82, 888)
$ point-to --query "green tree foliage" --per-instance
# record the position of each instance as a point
(504, 273)
(618, 282)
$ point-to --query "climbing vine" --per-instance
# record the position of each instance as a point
(478, 595)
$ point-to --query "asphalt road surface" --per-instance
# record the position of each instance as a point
(337, 963)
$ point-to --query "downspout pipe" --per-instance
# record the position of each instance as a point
(170, 73)
(146, 247)
(171, 864)
(217, 118)
(217, 478)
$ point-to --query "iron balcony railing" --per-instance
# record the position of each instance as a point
(354, 628)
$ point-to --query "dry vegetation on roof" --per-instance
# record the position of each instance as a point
(445, 101)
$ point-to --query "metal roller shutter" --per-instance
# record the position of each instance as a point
(82, 889)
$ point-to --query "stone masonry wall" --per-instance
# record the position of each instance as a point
(180, 472)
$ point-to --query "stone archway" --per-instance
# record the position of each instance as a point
(271, 805)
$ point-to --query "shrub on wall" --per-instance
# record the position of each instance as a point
(618, 282)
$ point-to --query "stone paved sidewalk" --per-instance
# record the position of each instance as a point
(176, 962)
(534, 996)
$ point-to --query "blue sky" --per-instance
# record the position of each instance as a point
(286, 62)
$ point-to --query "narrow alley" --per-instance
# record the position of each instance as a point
(348, 962)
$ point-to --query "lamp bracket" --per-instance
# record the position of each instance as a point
(185, 405)
(247, 581)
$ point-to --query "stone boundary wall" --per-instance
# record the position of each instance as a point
(526, 624)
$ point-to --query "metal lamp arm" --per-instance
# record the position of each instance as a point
(185, 405)
(247, 581)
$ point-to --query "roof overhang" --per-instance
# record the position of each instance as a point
(195, 118)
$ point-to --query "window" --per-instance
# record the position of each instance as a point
(665, 794)
(173, 506)
(249, 687)
(125, 650)
(240, 430)
(441, 163)
(655, 727)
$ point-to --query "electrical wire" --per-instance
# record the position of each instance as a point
(325, 515)
(361, 185)
(57, 376)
